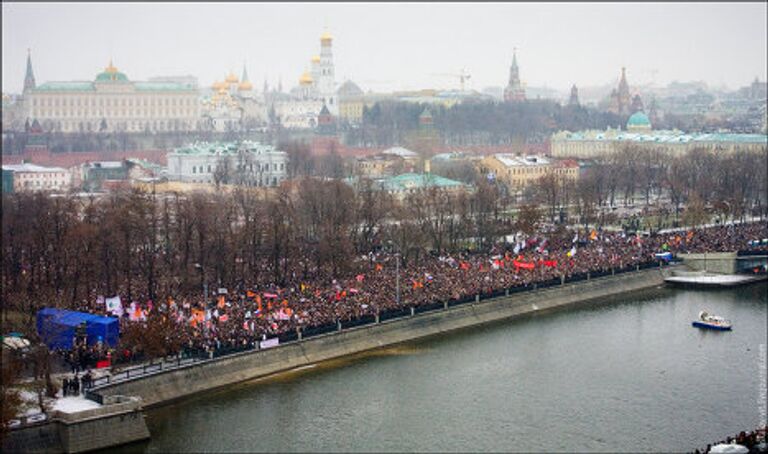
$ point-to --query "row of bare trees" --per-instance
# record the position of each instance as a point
(732, 185)
(143, 245)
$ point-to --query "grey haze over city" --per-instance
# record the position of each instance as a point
(392, 46)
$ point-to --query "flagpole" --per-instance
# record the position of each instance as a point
(397, 271)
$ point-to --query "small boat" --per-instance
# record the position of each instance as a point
(709, 321)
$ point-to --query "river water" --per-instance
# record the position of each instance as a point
(626, 374)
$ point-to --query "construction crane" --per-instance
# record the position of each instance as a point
(463, 76)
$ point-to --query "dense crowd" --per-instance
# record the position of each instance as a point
(312, 297)
(755, 441)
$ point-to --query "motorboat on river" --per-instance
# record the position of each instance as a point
(709, 321)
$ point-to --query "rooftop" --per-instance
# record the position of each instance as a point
(408, 181)
(224, 148)
(400, 151)
(660, 137)
(511, 160)
(27, 167)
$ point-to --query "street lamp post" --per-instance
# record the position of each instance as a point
(392, 245)
(202, 279)
(397, 271)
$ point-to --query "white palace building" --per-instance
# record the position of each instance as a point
(246, 163)
(110, 103)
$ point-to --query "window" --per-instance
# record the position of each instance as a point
(194, 169)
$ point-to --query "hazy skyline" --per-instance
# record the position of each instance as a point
(391, 46)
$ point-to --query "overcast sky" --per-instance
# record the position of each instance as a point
(388, 46)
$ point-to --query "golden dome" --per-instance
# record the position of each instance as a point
(219, 85)
(231, 78)
(315, 59)
(245, 86)
(326, 36)
(111, 68)
(305, 79)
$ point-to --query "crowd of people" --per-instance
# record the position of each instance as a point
(76, 384)
(311, 298)
(755, 441)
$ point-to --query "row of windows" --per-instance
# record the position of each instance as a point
(135, 126)
(114, 102)
(47, 176)
(256, 183)
(42, 184)
(45, 113)
(249, 167)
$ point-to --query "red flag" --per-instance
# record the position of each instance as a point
(524, 265)
(360, 277)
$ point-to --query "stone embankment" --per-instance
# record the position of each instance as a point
(119, 421)
(169, 385)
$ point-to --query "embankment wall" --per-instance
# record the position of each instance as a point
(118, 422)
(169, 385)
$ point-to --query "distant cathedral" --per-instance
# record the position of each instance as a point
(621, 102)
(514, 91)
(574, 99)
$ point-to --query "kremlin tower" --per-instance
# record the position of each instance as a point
(514, 91)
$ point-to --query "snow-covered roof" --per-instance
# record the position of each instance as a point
(28, 167)
(400, 151)
(511, 160)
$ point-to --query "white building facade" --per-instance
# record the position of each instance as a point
(31, 177)
(246, 163)
(112, 103)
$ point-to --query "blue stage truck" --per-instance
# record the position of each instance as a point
(59, 327)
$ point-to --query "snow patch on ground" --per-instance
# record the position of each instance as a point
(69, 404)
(73, 404)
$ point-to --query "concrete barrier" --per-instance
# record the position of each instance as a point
(118, 422)
(166, 386)
(716, 262)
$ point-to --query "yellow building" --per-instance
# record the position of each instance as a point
(352, 102)
(517, 172)
(639, 133)
(111, 102)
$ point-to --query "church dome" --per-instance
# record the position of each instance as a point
(305, 79)
(245, 86)
(231, 78)
(111, 74)
(315, 59)
(326, 37)
(219, 85)
(639, 119)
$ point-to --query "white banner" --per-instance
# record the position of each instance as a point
(115, 306)
(274, 342)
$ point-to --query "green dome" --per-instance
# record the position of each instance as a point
(111, 77)
(638, 119)
(111, 74)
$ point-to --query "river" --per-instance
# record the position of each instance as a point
(626, 374)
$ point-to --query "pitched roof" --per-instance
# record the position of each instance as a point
(400, 151)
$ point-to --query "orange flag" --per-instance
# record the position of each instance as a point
(222, 302)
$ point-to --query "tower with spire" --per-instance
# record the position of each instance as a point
(29, 77)
(326, 84)
(514, 91)
(574, 99)
(245, 87)
(620, 99)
